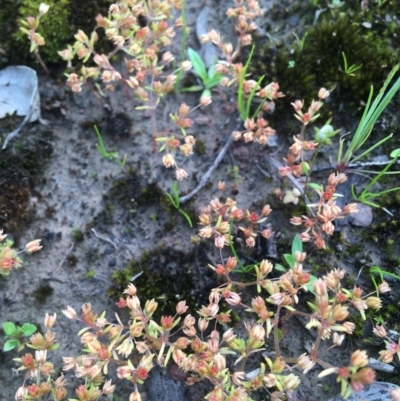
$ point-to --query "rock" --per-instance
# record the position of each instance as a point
(378, 391)
(160, 387)
(364, 216)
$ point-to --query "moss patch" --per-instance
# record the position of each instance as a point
(167, 275)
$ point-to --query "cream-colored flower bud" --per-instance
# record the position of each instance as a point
(131, 290)
(49, 320)
(168, 57)
(250, 242)
(386, 356)
(238, 377)
(2, 236)
(40, 356)
(108, 388)
(320, 287)
(183, 110)
(219, 362)
(374, 302)
(168, 160)
(348, 327)
(21, 393)
(132, 82)
(359, 304)
(305, 363)
(228, 336)
(290, 382)
(186, 65)
(359, 358)
(337, 339)
(248, 136)
(205, 100)
(33, 246)
(227, 48)
(269, 380)
(379, 331)
(323, 93)
(81, 36)
(219, 241)
(69, 313)
(221, 185)
(340, 312)
(212, 309)
(181, 174)
(133, 302)
(189, 321)
(94, 371)
(186, 149)
(384, 287)
(266, 267)
(202, 324)
(395, 394)
(181, 307)
(266, 210)
(236, 135)
(225, 81)
(256, 332)
(150, 306)
(222, 68)
(135, 396)
(43, 8)
(190, 139)
(300, 256)
(233, 299)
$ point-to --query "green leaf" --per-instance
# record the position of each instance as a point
(214, 81)
(395, 153)
(297, 245)
(290, 260)
(10, 344)
(310, 285)
(280, 268)
(55, 346)
(211, 72)
(195, 88)
(315, 186)
(28, 329)
(304, 168)
(9, 328)
(198, 65)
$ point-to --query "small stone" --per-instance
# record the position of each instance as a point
(176, 373)
(364, 216)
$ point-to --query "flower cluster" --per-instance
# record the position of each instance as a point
(9, 258)
(37, 367)
(392, 348)
(216, 218)
(324, 212)
(295, 163)
(355, 376)
(256, 130)
(143, 44)
(199, 345)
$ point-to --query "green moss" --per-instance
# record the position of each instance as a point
(20, 169)
(53, 27)
(58, 26)
(77, 235)
(200, 148)
(167, 275)
(318, 62)
(72, 260)
(42, 292)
